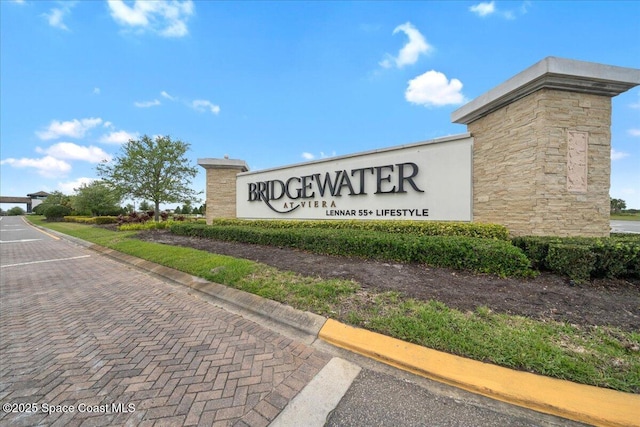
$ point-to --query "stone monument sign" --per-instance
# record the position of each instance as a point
(536, 158)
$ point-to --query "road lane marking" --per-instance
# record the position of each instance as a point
(19, 241)
(46, 260)
(315, 402)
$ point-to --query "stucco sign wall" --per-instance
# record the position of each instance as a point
(424, 181)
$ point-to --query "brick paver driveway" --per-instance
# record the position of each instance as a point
(101, 343)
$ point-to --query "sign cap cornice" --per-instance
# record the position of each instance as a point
(553, 73)
(211, 163)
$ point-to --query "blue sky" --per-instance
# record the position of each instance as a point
(275, 83)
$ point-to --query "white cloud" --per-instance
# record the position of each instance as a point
(69, 187)
(118, 137)
(311, 156)
(47, 166)
(411, 51)
(634, 132)
(55, 18)
(617, 155)
(71, 151)
(147, 104)
(74, 128)
(203, 105)
(200, 105)
(434, 89)
(56, 15)
(166, 18)
(484, 9)
(166, 95)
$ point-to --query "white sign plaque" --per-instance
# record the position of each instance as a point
(424, 181)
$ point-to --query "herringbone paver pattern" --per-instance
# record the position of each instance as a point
(93, 332)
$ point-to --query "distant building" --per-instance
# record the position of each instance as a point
(37, 198)
(32, 200)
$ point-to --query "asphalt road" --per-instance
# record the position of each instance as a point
(77, 328)
(625, 226)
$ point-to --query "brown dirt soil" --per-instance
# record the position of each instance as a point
(547, 297)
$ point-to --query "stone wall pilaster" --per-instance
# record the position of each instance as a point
(221, 186)
(542, 148)
(522, 163)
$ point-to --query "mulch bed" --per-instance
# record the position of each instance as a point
(547, 297)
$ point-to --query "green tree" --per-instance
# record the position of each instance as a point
(177, 210)
(617, 205)
(15, 211)
(97, 199)
(145, 206)
(55, 198)
(152, 169)
(56, 212)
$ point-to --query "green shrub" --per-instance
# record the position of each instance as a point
(420, 228)
(80, 219)
(615, 256)
(100, 220)
(56, 212)
(106, 220)
(576, 261)
(149, 225)
(536, 249)
(480, 255)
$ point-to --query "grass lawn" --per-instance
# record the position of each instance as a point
(601, 356)
(626, 217)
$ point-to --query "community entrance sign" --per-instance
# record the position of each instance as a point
(424, 181)
(536, 159)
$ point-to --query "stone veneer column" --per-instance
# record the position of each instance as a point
(542, 148)
(221, 186)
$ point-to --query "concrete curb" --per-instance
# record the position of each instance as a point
(578, 402)
(587, 404)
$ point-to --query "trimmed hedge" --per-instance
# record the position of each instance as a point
(419, 228)
(479, 255)
(99, 220)
(576, 261)
(583, 258)
(149, 225)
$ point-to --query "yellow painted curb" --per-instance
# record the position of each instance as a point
(40, 230)
(588, 404)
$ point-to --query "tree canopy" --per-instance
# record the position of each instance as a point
(55, 198)
(617, 205)
(152, 169)
(96, 198)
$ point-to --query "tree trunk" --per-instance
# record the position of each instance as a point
(156, 212)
